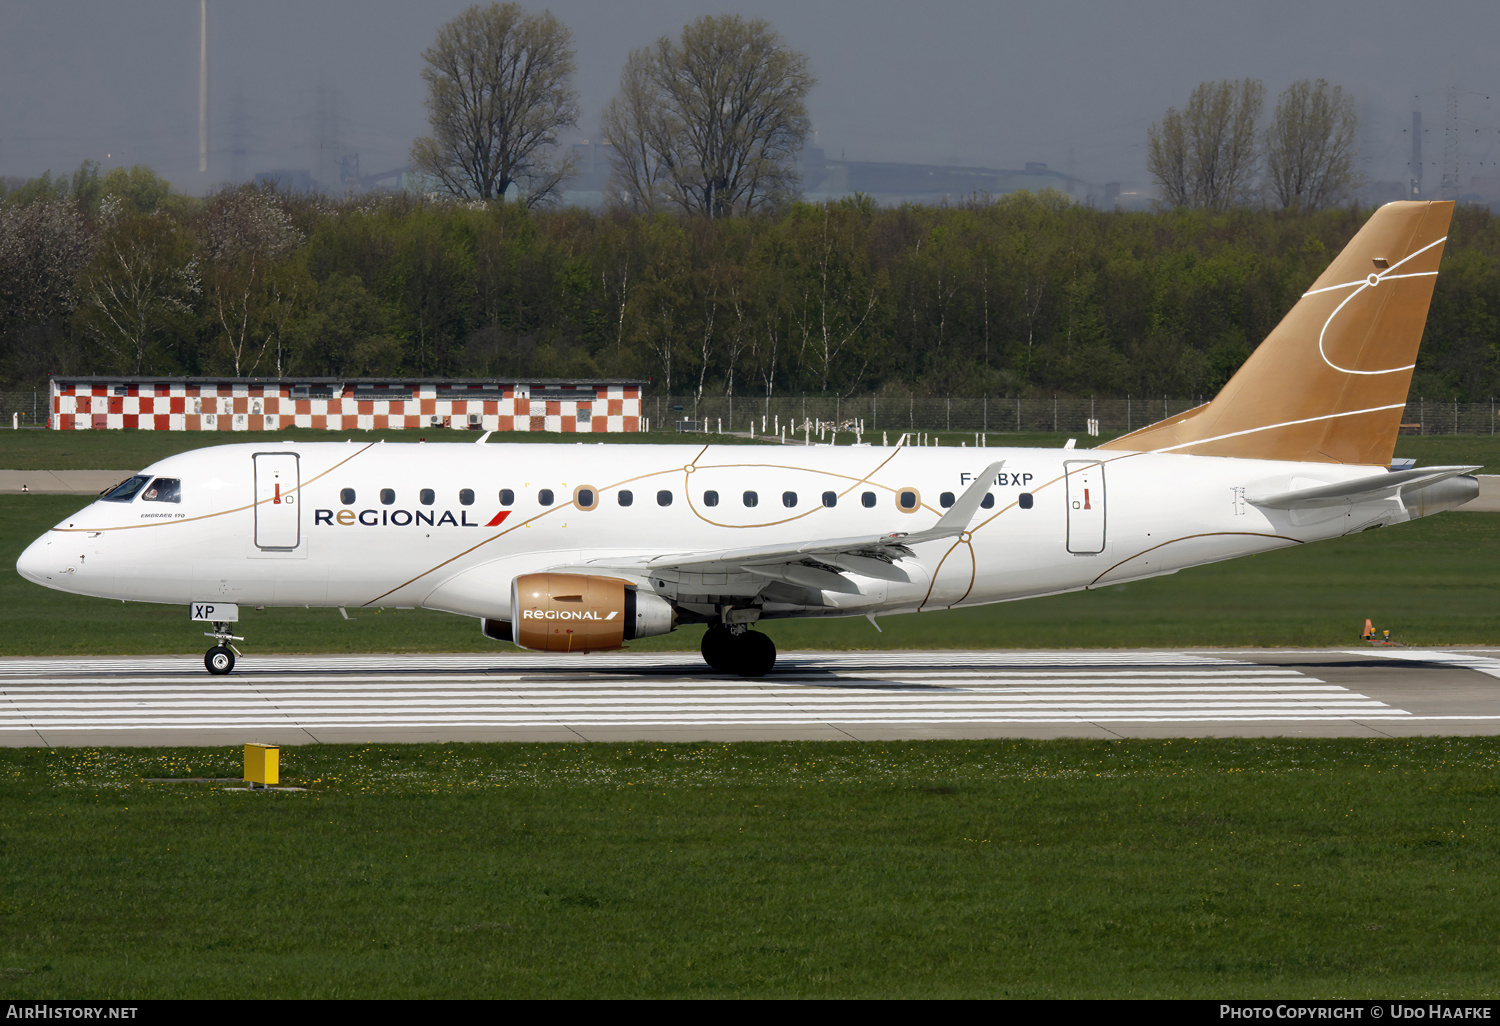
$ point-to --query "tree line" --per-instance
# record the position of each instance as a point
(1021, 295)
(1216, 152)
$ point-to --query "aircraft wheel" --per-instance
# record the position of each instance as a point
(756, 655)
(219, 660)
(718, 649)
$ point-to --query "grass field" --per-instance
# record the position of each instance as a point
(131, 450)
(1200, 869)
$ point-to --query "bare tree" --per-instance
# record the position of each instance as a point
(1207, 155)
(245, 232)
(1167, 159)
(142, 280)
(837, 295)
(497, 93)
(1310, 146)
(632, 126)
(712, 121)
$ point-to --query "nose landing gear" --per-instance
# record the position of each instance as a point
(219, 660)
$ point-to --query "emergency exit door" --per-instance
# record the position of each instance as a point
(1085, 506)
(278, 524)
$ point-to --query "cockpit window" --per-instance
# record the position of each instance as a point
(163, 489)
(125, 490)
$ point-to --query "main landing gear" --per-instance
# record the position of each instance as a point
(734, 649)
(219, 660)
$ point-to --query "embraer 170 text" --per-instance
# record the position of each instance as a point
(585, 547)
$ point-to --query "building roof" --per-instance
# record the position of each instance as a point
(394, 379)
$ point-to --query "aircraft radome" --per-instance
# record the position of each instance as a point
(576, 547)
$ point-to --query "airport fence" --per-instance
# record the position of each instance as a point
(24, 409)
(991, 414)
(1081, 417)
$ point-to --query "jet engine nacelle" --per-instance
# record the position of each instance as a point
(581, 613)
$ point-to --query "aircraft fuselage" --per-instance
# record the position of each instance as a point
(449, 526)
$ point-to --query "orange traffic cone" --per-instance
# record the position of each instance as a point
(1369, 634)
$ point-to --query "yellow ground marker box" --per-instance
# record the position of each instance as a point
(263, 764)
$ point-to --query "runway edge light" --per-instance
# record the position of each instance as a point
(262, 764)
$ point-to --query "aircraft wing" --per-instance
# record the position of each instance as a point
(817, 563)
(1361, 489)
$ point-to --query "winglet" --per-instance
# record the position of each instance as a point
(956, 520)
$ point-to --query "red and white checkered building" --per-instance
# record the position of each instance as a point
(271, 404)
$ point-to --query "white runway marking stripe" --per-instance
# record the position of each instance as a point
(668, 690)
(689, 687)
(629, 662)
(1488, 665)
(105, 695)
(832, 704)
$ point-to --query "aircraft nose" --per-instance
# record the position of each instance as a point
(33, 563)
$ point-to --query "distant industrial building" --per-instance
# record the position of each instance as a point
(344, 404)
(887, 183)
(891, 184)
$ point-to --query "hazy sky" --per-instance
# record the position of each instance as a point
(295, 83)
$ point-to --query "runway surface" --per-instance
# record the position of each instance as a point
(812, 695)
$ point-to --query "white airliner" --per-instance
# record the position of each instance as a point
(576, 547)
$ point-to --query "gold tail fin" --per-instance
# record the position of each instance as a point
(1329, 384)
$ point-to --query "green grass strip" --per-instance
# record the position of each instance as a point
(1209, 868)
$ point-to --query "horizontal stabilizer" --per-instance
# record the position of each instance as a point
(1362, 489)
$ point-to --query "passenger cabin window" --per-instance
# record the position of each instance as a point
(789, 499)
(867, 500)
(585, 497)
(945, 500)
(710, 498)
(626, 497)
(507, 497)
(544, 497)
(907, 500)
(427, 496)
(1025, 500)
(163, 489)
(387, 496)
(664, 498)
(126, 490)
(346, 496)
(466, 496)
(751, 499)
(830, 499)
(988, 502)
